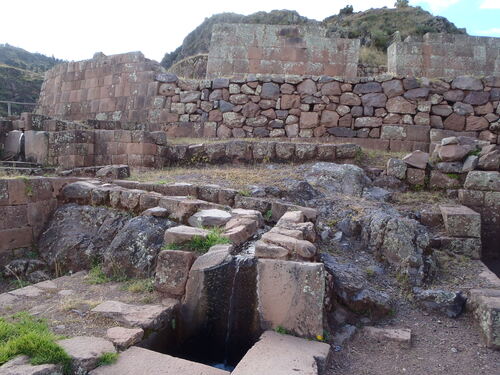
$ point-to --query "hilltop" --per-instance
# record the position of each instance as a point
(21, 75)
(373, 27)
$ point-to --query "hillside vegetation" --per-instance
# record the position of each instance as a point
(373, 27)
(21, 76)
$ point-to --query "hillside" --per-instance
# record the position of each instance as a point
(374, 27)
(21, 75)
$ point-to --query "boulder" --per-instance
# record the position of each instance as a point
(401, 241)
(77, 235)
(135, 247)
(290, 295)
(21, 365)
(77, 192)
(156, 212)
(172, 270)
(352, 289)
(450, 304)
(338, 178)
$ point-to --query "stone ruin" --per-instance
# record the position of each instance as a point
(237, 50)
(445, 55)
(329, 250)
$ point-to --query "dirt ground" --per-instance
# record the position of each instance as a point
(440, 345)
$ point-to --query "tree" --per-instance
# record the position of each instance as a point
(348, 9)
(401, 3)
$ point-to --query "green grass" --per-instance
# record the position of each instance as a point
(199, 244)
(97, 276)
(139, 286)
(268, 215)
(107, 359)
(23, 334)
(454, 176)
(281, 330)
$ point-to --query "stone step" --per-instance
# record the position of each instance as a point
(461, 221)
(485, 304)
(137, 316)
(277, 354)
(135, 361)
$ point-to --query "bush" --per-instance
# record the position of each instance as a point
(348, 9)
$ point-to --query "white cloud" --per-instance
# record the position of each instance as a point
(490, 32)
(438, 5)
(490, 4)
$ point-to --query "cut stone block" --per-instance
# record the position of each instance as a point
(470, 247)
(85, 351)
(138, 316)
(417, 159)
(172, 270)
(137, 361)
(290, 295)
(124, 337)
(156, 212)
(301, 247)
(209, 218)
(291, 217)
(267, 250)
(183, 234)
(461, 221)
(396, 168)
(479, 180)
(277, 354)
(241, 233)
(485, 303)
(398, 336)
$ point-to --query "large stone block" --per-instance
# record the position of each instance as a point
(290, 295)
(461, 221)
(172, 270)
(479, 180)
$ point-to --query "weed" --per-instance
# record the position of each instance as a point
(24, 334)
(244, 193)
(97, 276)
(107, 359)
(201, 245)
(27, 186)
(332, 223)
(18, 283)
(453, 176)
(171, 246)
(370, 272)
(281, 330)
(417, 187)
(268, 215)
(139, 286)
(474, 153)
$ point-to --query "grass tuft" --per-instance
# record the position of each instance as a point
(97, 276)
(139, 286)
(107, 359)
(23, 334)
(201, 245)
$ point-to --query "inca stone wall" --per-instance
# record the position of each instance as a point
(385, 112)
(445, 55)
(116, 86)
(239, 49)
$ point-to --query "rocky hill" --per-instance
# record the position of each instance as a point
(21, 75)
(374, 27)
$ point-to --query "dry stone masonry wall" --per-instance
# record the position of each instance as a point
(240, 49)
(445, 55)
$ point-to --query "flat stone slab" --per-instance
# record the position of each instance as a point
(7, 299)
(85, 351)
(461, 221)
(21, 366)
(27, 291)
(276, 354)
(417, 159)
(401, 337)
(135, 361)
(124, 337)
(183, 233)
(209, 218)
(290, 295)
(142, 316)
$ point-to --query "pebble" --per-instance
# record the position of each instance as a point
(454, 350)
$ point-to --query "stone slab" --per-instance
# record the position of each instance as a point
(291, 296)
(461, 221)
(277, 354)
(135, 361)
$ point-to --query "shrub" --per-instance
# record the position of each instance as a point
(201, 245)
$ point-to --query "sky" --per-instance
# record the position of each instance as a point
(75, 30)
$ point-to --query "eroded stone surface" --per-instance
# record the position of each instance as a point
(124, 337)
(85, 351)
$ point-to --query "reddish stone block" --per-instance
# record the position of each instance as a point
(415, 176)
(15, 238)
(13, 217)
(17, 192)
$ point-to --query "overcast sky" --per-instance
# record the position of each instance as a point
(74, 30)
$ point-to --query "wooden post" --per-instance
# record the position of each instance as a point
(9, 112)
